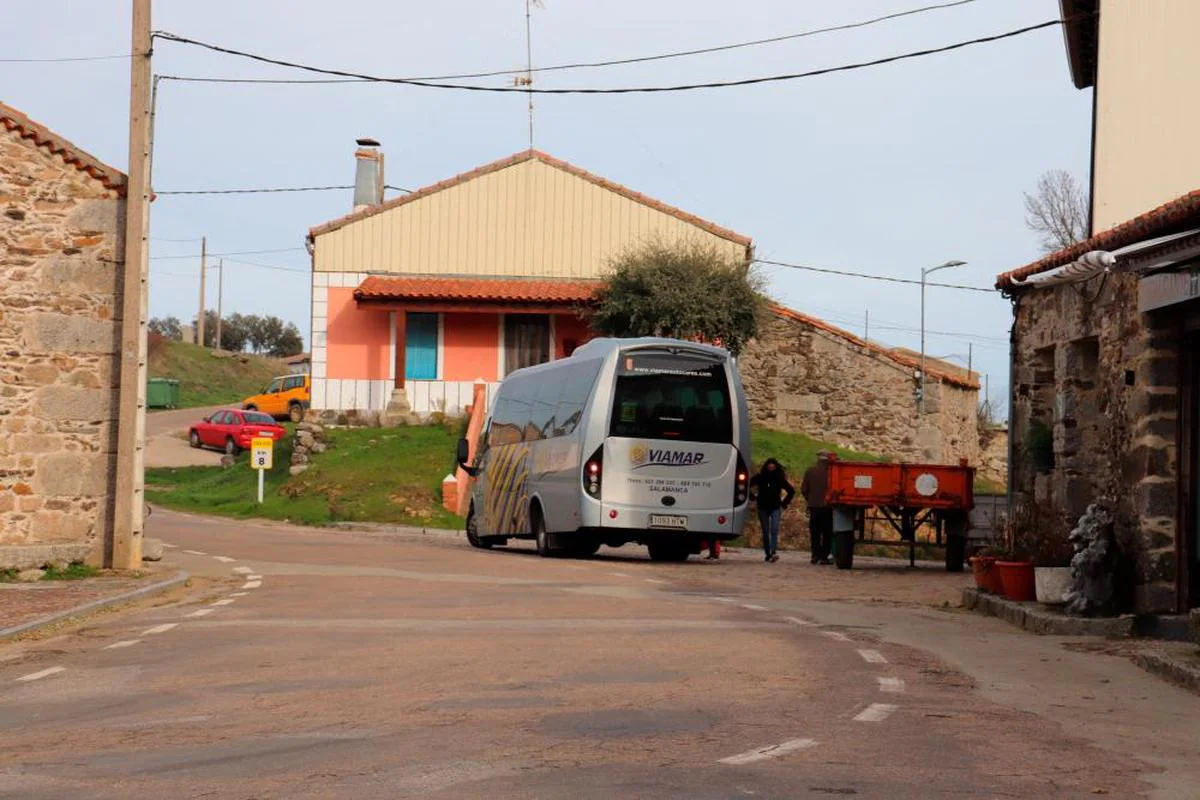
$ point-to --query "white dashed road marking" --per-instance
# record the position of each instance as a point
(243, 570)
(724, 599)
(125, 643)
(841, 637)
(771, 751)
(872, 656)
(654, 580)
(171, 546)
(251, 584)
(203, 612)
(224, 602)
(797, 621)
(891, 685)
(753, 607)
(619, 574)
(225, 559)
(160, 628)
(254, 577)
(195, 553)
(240, 594)
(37, 676)
(876, 712)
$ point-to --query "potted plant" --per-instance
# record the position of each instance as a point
(983, 565)
(1014, 566)
(1052, 551)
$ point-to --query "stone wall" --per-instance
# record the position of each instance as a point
(993, 455)
(60, 241)
(1103, 379)
(805, 376)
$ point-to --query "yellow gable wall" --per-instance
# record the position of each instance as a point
(529, 219)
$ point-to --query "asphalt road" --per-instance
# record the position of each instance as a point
(165, 445)
(325, 664)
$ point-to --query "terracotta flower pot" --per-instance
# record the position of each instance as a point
(1017, 580)
(986, 576)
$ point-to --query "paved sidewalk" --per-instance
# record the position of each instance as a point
(24, 603)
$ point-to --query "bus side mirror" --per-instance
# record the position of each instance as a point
(463, 454)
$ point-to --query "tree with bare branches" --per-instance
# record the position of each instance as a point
(1058, 210)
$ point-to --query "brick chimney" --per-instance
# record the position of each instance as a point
(368, 174)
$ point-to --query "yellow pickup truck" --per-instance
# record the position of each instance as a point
(287, 396)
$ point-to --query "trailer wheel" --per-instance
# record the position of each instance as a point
(843, 549)
(954, 525)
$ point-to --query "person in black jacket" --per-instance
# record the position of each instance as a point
(820, 515)
(766, 488)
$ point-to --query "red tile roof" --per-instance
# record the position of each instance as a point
(891, 355)
(494, 290)
(519, 158)
(1167, 218)
(41, 136)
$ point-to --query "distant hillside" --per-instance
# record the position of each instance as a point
(206, 379)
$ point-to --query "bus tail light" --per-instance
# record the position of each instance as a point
(741, 483)
(593, 473)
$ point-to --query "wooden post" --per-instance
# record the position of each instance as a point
(131, 416)
(203, 274)
(220, 290)
(401, 328)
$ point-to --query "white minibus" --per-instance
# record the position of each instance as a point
(627, 440)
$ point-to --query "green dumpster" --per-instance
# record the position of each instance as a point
(162, 393)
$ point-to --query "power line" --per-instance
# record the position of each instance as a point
(272, 190)
(266, 266)
(61, 60)
(165, 239)
(234, 253)
(868, 276)
(612, 90)
(610, 62)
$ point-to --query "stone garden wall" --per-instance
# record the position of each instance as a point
(804, 375)
(60, 244)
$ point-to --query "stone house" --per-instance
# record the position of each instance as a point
(803, 374)
(1106, 395)
(61, 249)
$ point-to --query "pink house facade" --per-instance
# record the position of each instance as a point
(419, 298)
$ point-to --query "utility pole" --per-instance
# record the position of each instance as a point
(969, 352)
(128, 500)
(220, 292)
(203, 273)
(867, 325)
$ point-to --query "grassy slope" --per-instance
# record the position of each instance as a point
(368, 475)
(796, 451)
(205, 380)
(371, 475)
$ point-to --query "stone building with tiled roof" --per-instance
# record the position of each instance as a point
(61, 248)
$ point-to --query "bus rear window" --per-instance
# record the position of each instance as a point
(672, 396)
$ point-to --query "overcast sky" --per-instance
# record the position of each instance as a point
(882, 170)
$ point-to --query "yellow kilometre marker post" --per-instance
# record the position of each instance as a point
(262, 450)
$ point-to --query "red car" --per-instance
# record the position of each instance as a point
(232, 430)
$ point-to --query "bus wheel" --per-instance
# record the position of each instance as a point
(540, 534)
(668, 552)
(473, 536)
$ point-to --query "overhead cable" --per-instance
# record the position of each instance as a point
(611, 62)
(273, 190)
(609, 90)
(234, 253)
(868, 276)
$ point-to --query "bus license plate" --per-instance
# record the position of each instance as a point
(668, 521)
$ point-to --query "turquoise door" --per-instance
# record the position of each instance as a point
(421, 347)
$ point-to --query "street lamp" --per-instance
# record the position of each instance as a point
(924, 272)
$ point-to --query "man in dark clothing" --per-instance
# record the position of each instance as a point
(820, 515)
(766, 487)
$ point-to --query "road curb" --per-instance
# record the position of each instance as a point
(96, 605)
(1169, 669)
(1038, 619)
